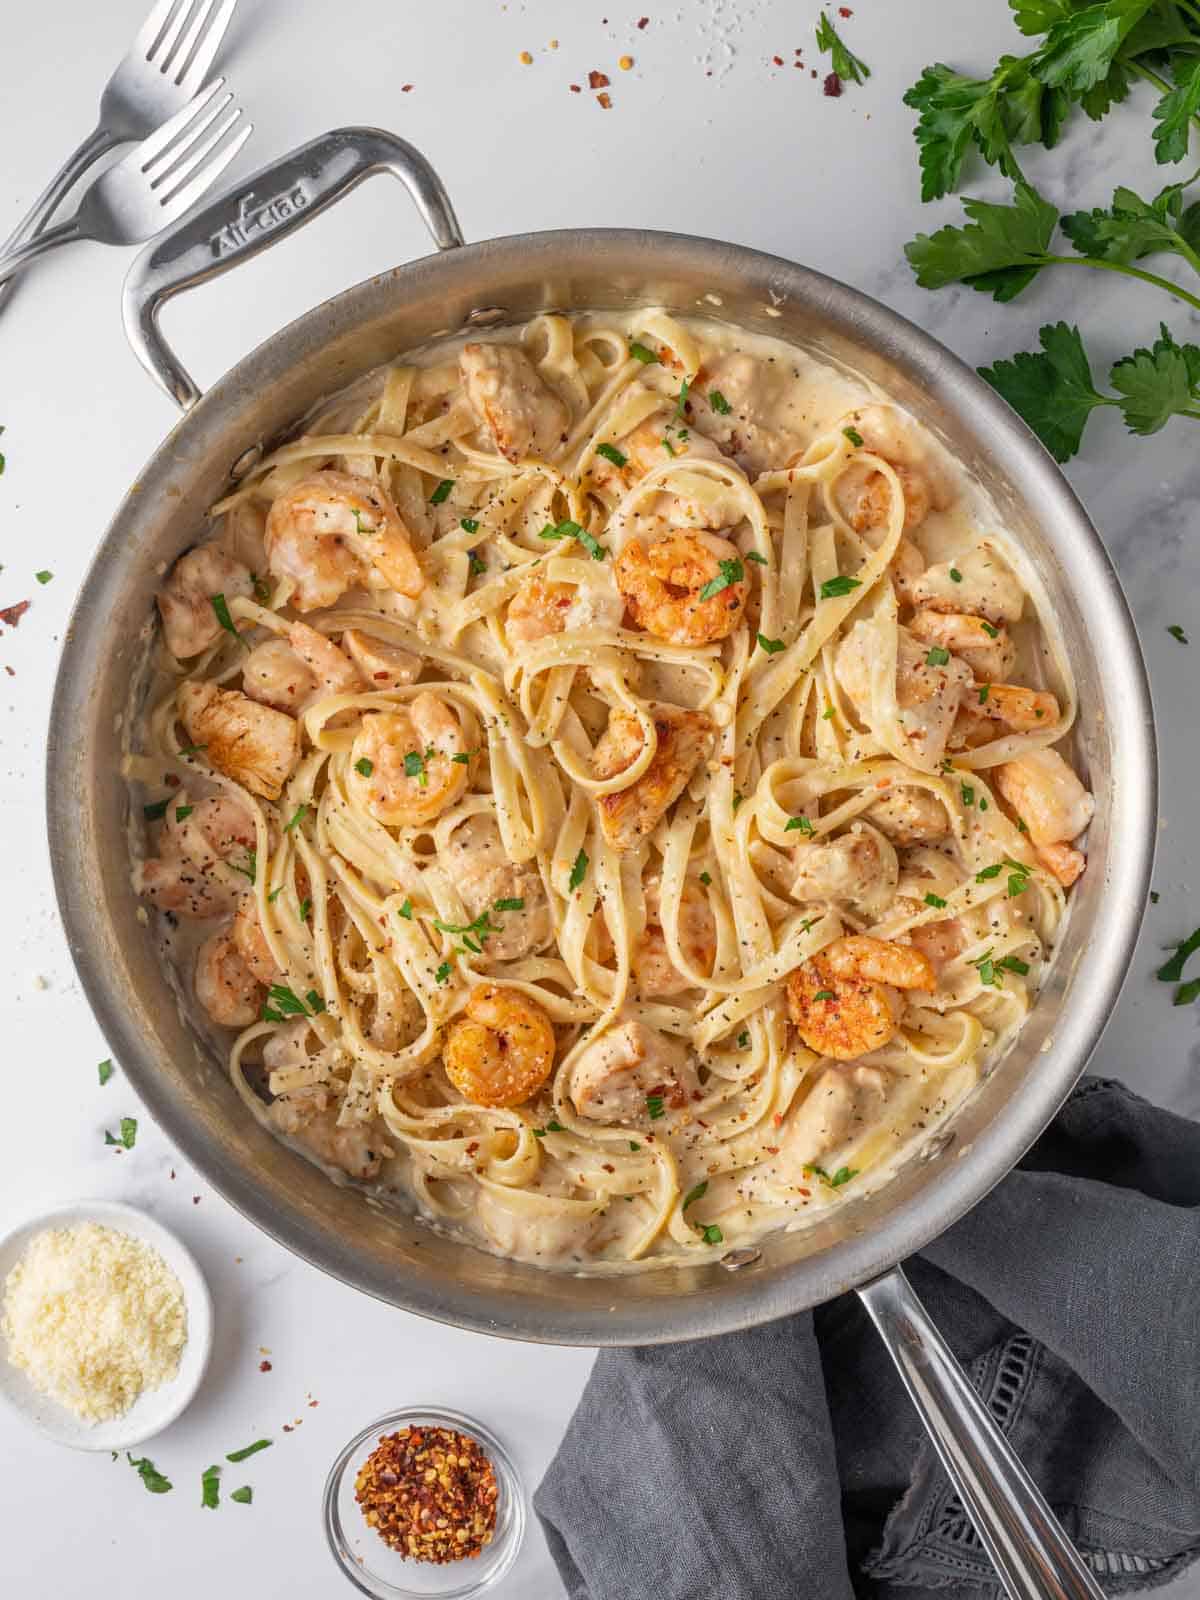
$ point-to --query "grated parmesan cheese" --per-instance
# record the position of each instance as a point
(93, 1317)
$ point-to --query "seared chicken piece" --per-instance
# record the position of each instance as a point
(484, 876)
(842, 1102)
(984, 587)
(310, 1117)
(383, 665)
(754, 392)
(631, 1064)
(849, 870)
(185, 601)
(908, 814)
(524, 415)
(928, 693)
(189, 875)
(986, 648)
(1054, 806)
(253, 744)
(684, 740)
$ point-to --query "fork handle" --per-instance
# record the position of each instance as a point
(261, 210)
(48, 239)
(98, 143)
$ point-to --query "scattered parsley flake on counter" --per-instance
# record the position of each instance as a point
(43, 577)
(156, 810)
(731, 572)
(243, 1496)
(936, 901)
(698, 1193)
(771, 646)
(1172, 971)
(442, 492)
(834, 588)
(1154, 897)
(104, 1071)
(803, 823)
(1187, 992)
(149, 1474)
(846, 65)
(639, 352)
(710, 1233)
(955, 575)
(221, 607)
(1177, 632)
(365, 768)
(759, 560)
(655, 1107)
(469, 525)
(719, 403)
(854, 437)
(249, 1450)
(842, 1175)
(298, 814)
(128, 1135)
(210, 1488)
(938, 656)
(611, 453)
(578, 871)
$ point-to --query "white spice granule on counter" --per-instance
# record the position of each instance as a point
(93, 1317)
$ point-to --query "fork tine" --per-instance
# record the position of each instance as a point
(204, 50)
(176, 204)
(151, 148)
(165, 46)
(151, 30)
(188, 39)
(160, 167)
(188, 155)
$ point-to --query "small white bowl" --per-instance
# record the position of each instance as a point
(152, 1411)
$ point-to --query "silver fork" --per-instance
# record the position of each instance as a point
(154, 184)
(165, 66)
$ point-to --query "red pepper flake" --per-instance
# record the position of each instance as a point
(833, 86)
(172, 1171)
(10, 670)
(195, 1199)
(845, 11)
(313, 1404)
(598, 80)
(264, 1366)
(429, 1493)
(812, 72)
(642, 21)
(472, 1147)
(406, 88)
(287, 1427)
(575, 88)
(777, 1119)
(13, 614)
(605, 102)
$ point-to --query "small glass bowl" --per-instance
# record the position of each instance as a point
(373, 1567)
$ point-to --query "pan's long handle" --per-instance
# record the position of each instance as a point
(1023, 1537)
(263, 209)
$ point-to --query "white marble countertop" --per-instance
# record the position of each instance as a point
(753, 153)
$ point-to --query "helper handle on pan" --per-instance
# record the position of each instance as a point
(1023, 1537)
(261, 210)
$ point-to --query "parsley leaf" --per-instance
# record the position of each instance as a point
(1158, 384)
(1081, 47)
(639, 352)
(104, 1072)
(802, 823)
(149, 1474)
(1172, 971)
(936, 901)
(221, 607)
(835, 588)
(282, 1002)
(719, 403)
(845, 63)
(999, 251)
(710, 1233)
(365, 767)
(697, 1193)
(249, 1450)
(210, 1488)
(243, 1496)
(771, 646)
(655, 1107)
(442, 492)
(1132, 227)
(1052, 390)
(1174, 112)
(128, 1135)
(1177, 632)
(298, 815)
(611, 453)
(578, 871)
(731, 572)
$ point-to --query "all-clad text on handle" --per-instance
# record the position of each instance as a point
(260, 211)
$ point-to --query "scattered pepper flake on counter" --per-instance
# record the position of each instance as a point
(626, 63)
(429, 1493)
(264, 1366)
(642, 21)
(525, 58)
(598, 80)
(13, 614)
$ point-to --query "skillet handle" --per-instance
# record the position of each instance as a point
(1023, 1537)
(260, 211)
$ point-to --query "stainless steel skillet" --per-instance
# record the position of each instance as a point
(398, 1258)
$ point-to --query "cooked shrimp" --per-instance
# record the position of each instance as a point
(841, 1103)
(383, 665)
(844, 1001)
(310, 1117)
(502, 1051)
(928, 693)
(987, 650)
(864, 495)
(1017, 707)
(251, 942)
(335, 672)
(524, 415)
(539, 609)
(334, 531)
(627, 1067)
(185, 601)
(669, 587)
(684, 739)
(290, 674)
(654, 973)
(225, 985)
(1054, 806)
(940, 941)
(854, 869)
(908, 814)
(485, 878)
(189, 876)
(403, 765)
(978, 582)
(253, 744)
(528, 1224)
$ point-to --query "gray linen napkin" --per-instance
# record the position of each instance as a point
(788, 1462)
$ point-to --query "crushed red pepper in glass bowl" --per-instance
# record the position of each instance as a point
(424, 1502)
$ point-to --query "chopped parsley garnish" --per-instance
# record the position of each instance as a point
(469, 525)
(128, 1135)
(1187, 992)
(743, 1039)
(1177, 632)
(249, 1450)
(561, 530)
(667, 445)
(442, 973)
(738, 797)
(968, 794)
(303, 909)
(759, 560)
(731, 572)
(936, 901)
(262, 589)
(710, 1233)
(824, 994)
(43, 577)
(986, 968)
(274, 895)
(846, 65)
(463, 758)
(365, 768)
(771, 646)
(406, 911)
(842, 1175)
(955, 575)
(221, 607)
(476, 565)
(802, 823)
(719, 403)
(481, 928)
(578, 871)
(828, 714)
(210, 1488)
(1014, 964)
(182, 813)
(705, 879)
(938, 656)
(509, 905)
(681, 401)
(992, 633)
(298, 815)
(639, 352)
(282, 1002)
(244, 1495)
(1018, 877)
(1154, 897)
(697, 1193)
(554, 1126)
(634, 1145)
(834, 588)
(593, 547)
(155, 1482)
(442, 492)
(854, 437)
(611, 453)
(414, 767)
(358, 524)
(159, 809)
(985, 873)
(655, 1107)
(984, 691)
(250, 870)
